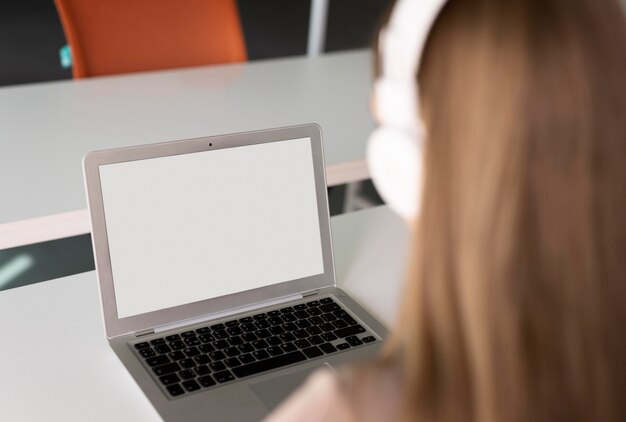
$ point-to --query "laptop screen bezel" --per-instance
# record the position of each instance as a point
(115, 326)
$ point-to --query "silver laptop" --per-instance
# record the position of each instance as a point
(215, 266)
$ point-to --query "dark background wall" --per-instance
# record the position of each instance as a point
(31, 34)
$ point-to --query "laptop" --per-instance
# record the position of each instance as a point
(215, 266)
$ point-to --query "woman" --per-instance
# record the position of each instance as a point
(515, 304)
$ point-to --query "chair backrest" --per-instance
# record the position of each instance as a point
(120, 36)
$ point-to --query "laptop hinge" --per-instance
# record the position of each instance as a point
(144, 332)
(309, 294)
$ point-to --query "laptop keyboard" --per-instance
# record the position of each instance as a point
(216, 354)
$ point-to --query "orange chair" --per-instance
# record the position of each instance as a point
(120, 36)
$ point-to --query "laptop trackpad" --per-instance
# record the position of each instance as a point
(272, 392)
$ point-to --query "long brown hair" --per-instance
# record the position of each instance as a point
(515, 307)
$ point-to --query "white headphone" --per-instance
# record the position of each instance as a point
(394, 150)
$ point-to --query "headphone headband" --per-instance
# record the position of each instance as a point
(401, 44)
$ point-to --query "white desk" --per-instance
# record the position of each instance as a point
(56, 365)
(45, 129)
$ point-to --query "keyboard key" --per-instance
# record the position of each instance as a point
(259, 316)
(288, 347)
(340, 323)
(246, 320)
(203, 331)
(188, 334)
(221, 344)
(220, 334)
(289, 317)
(232, 362)
(162, 348)
(206, 381)
(235, 341)
(301, 344)
(267, 364)
(276, 330)
(303, 323)
(187, 363)
(157, 341)
(287, 337)
(262, 324)
(314, 330)
(262, 333)
(343, 346)
(273, 313)
(286, 310)
(191, 385)
(260, 354)
(369, 339)
(290, 326)
(166, 369)
(349, 331)
(202, 359)
(327, 326)
(234, 331)
(218, 355)
(177, 345)
(314, 311)
(249, 327)
(142, 345)
(246, 348)
(232, 323)
(206, 348)
(327, 348)
(178, 355)
(340, 313)
(202, 370)
(175, 390)
(248, 337)
(329, 317)
(326, 301)
(191, 352)
(147, 353)
(299, 307)
(246, 358)
(169, 379)
(260, 344)
(301, 334)
(217, 327)
(313, 303)
(187, 374)
(328, 336)
(158, 360)
(316, 320)
(353, 341)
(301, 314)
(232, 351)
(217, 366)
(349, 320)
(275, 321)
(315, 340)
(191, 341)
(274, 351)
(173, 337)
(329, 307)
(273, 341)
(223, 376)
(312, 352)
(206, 338)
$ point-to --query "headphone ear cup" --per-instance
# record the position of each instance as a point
(394, 159)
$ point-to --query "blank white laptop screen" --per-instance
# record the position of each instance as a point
(196, 226)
